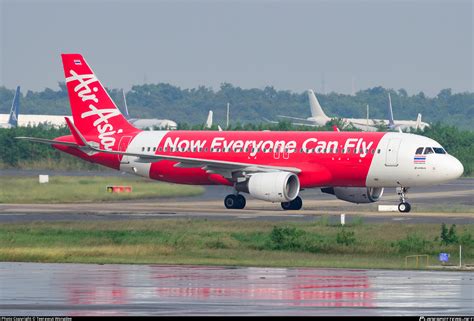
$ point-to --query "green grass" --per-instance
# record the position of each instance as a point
(62, 189)
(185, 241)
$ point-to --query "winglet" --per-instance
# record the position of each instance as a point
(335, 128)
(75, 133)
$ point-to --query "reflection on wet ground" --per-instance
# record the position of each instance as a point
(86, 289)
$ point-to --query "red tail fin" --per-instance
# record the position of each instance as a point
(93, 111)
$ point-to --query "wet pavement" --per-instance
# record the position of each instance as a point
(87, 289)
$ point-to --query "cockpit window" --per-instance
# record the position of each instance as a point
(419, 150)
(429, 150)
(439, 150)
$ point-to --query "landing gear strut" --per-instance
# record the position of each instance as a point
(235, 201)
(404, 206)
(295, 204)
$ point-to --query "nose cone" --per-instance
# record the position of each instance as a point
(454, 169)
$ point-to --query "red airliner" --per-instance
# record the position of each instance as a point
(270, 166)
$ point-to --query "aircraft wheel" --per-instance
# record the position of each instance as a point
(404, 207)
(230, 201)
(295, 204)
(241, 202)
(286, 206)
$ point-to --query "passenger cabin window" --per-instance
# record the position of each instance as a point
(429, 150)
(439, 150)
(419, 150)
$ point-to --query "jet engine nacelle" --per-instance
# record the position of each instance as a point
(355, 194)
(272, 187)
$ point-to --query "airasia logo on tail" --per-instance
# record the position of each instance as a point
(84, 91)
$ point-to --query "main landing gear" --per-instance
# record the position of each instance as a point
(404, 206)
(295, 204)
(235, 201)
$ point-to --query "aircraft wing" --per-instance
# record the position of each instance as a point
(270, 121)
(214, 166)
(304, 124)
(295, 118)
(209, 164)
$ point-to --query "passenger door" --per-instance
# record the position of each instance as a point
(391, 157)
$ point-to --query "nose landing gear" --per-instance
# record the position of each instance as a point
(404, 206)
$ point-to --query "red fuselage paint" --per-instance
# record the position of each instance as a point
(324, 158)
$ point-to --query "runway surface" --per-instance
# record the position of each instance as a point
(83, 289)
(451, 203)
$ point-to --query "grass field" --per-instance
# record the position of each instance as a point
(184, 241)
(61, 189)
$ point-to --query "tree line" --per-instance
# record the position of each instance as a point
(256, 105)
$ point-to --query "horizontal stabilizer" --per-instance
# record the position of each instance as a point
(48, 141)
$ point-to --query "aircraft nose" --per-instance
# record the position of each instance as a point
(455, 168)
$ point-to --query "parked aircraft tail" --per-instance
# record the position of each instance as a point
(418, 121)
(13, 117)
(209, 120)
(391, 122)
(316, 110)
(125, 107)
(94, 113)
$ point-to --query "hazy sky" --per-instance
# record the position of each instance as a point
(423, 45)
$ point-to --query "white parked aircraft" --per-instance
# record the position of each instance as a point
(14, 120)
(13, 116)
(404, 125)
(319, 118)
(148, 123)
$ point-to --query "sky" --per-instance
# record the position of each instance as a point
(339, 45)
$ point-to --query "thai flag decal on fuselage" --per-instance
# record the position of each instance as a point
(419, 159)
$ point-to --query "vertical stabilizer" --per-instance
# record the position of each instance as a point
(125, 107)
(94, 113)
(316, 110)
(391, 122)
(209, 120)
(418, 122)
(13, 117)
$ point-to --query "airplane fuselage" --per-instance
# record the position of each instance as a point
(323, 158)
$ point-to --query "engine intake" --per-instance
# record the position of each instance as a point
(355, 194)
(272, 187)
